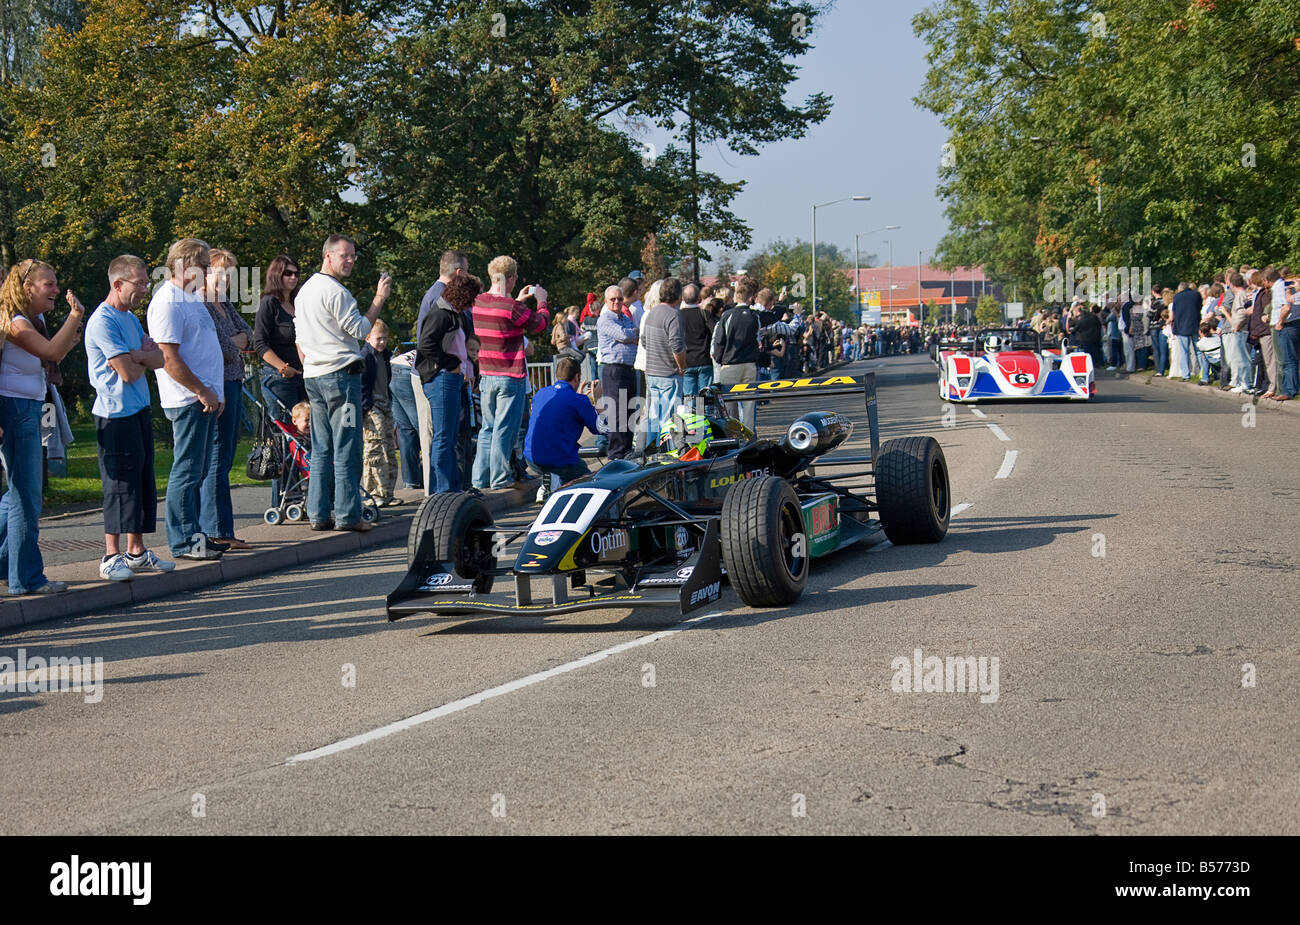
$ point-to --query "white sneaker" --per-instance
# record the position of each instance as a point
(1239, 389)
(114, 568)
(148, 562)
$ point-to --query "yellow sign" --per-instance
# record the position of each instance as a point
(870, 299)
(790, 384)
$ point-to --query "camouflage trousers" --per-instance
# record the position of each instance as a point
(379, 456)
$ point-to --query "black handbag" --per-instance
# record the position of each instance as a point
(264, 459)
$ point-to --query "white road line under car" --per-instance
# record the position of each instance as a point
(978, 413)
(500, 690)
(1008, 463)
(998, 432)
(959, 508)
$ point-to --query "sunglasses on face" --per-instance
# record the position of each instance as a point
(289, 273)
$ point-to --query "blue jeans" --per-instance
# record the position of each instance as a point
(20, 508)
(216, 515)
(1287, 341)
(193, 434)
(1187, 350)
(336, 441)
(696, 378)
(444, 412)
(503, 399)
(665, 393)
(590, 368)
(408, 425)
(1160, 350)
(288, 392)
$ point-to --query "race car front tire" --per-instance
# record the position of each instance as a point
(912, 490)
(763, 543)
(453, 519)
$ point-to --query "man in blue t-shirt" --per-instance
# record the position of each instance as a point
(560, 413)
(117, 355)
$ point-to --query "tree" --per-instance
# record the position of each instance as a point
(988, 311)
(1155, 175)
(790, 264)
(934, 312)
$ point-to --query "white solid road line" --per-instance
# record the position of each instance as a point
(998, 432)
(1008, 463)
(958, 509)
(978, 413)
(500, 690)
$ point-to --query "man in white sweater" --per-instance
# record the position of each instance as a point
(329, 332)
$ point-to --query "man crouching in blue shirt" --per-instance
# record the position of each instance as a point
(560, 413)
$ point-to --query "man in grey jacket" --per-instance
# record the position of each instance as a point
(665, 360)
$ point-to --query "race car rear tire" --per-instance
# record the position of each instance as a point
(762, 530)
(451, 518)
(912, 490)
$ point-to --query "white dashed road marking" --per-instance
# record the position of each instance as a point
(500, 690)
(998, 432)
(1008, 463)
(978, 413)
(958, 509)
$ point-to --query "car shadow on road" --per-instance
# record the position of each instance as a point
(811, 603)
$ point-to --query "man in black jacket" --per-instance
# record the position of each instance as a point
(697, 329)
(1185, 318)
(736, 345)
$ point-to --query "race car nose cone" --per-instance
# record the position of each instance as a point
(801, 437)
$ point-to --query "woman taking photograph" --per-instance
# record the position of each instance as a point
(29, 291)
(274, 340)
(216, 515)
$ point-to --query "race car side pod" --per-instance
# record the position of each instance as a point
(813, 386)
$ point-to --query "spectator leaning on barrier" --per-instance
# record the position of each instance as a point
(561, 412)
(501, 321)
(379, 443)
(117, 356)
(736, 345)
(618, 340)
(329, 329)
(665, 348)
(29, 291)
(191, 384)
(216, 513)
(440, 361)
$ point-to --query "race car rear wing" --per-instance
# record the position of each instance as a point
(811, 387)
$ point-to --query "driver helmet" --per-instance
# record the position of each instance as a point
(687, 435)
(993, 344)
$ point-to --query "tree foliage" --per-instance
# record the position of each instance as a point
(1179, 114)
(497, 127)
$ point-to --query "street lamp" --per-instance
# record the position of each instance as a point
(857, 272)
(814, 240)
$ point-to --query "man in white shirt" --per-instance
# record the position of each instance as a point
(191, 384)
(329, 332)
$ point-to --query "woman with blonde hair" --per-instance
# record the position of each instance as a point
(28, 292)
(216, 512)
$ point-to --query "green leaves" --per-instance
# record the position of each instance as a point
(1178, 114)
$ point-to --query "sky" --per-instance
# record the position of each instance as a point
(876, 142)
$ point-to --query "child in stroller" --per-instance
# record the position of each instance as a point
(289, 489)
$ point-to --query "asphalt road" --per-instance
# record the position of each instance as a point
(1120, 705)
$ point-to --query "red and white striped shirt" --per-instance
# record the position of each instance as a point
(501, 323)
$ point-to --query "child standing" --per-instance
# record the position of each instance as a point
(379, 456)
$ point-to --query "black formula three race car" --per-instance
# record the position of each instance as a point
(667, 531)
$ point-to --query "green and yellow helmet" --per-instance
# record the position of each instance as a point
(687, 435)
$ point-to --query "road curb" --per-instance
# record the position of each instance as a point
(98, 595)
(1288, 407)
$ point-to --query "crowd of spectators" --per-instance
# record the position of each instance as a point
(454, 411)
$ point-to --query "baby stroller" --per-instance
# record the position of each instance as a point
(294, 471)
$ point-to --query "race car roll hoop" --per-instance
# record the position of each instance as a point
(668, 531)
